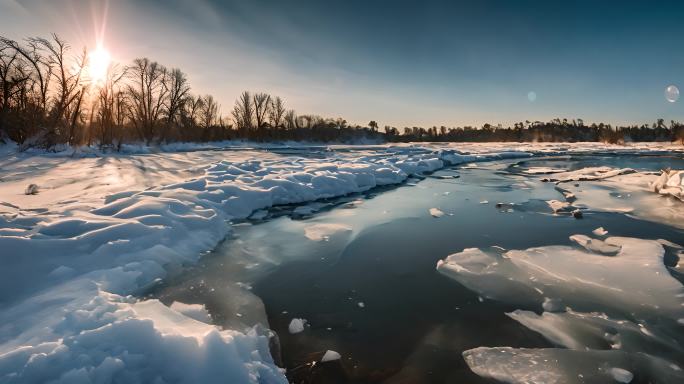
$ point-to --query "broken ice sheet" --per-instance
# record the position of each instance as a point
(636, 332)
(634, 282)
(595, 330)
(566, 366)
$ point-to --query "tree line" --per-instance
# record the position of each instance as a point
(48, 97)
(556, 130)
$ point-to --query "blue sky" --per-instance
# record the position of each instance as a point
(400, 63)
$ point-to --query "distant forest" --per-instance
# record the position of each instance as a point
(48, 99)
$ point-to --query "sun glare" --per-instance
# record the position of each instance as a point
(98, 64)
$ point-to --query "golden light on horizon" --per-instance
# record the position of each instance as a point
(98, 64)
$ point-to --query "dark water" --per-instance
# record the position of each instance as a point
(372, 293)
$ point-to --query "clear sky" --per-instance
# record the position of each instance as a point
(398, 62)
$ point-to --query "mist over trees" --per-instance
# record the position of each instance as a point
(48, 98)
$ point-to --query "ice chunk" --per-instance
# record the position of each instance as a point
(621, 375)
(596, 245)
(599, 231)
(435, 212)
(193, 311)
(670, 182)
(558, 206)
(296, 325)
(330, 356)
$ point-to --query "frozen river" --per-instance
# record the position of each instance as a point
(361, 272)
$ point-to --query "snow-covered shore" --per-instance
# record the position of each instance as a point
(103, 227)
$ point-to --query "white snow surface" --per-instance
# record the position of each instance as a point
(101, 228)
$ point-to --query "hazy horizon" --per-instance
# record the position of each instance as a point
(440, 63)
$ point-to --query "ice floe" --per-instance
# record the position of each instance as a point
(436, 212)
(566, 366)
(637, 330)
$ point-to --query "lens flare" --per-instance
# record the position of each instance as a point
(671, 93)
(532, 96)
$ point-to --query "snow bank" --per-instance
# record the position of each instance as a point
(115, 339)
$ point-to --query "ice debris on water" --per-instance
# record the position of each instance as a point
(296, 325)
(599, 231)
(435, 212)
(330, 356)
(621, 375)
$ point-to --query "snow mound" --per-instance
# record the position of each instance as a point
(114, 339)
(194, 311)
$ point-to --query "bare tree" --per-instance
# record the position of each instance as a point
(209, 113)
(291, 120)
(178, 90)
(111, 106)
(31, 78)
(243, 113)
(148, 91)
(69, 88)
(276, 113)
(262, 104)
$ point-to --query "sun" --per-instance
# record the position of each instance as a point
(98, 64)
